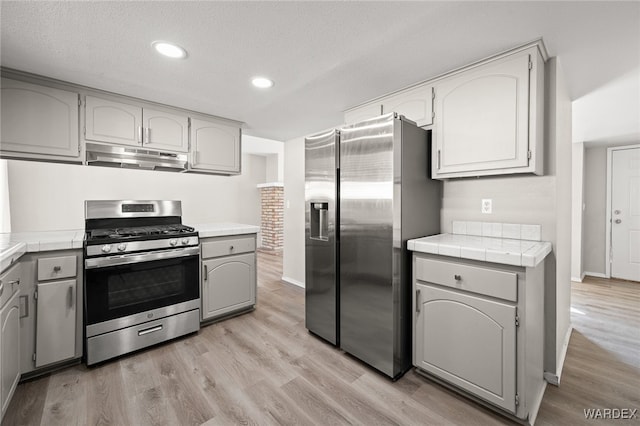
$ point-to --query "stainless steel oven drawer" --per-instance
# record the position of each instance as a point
(225, 246)
(53, 268)
(119, 342)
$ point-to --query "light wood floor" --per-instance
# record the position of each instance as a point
(265, 368)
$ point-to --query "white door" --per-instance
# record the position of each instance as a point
(625, 214)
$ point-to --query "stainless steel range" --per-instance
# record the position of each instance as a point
(142, 283)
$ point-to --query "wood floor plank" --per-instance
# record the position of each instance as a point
(264, 367)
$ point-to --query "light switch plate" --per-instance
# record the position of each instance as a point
(486, 206)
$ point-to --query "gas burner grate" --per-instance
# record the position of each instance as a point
(140, 231)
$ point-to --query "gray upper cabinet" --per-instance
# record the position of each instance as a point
(39, 121)
(165, 131)
(215, 147)
(113, 122)
(488, 118)
(416, 104)
(126, 124)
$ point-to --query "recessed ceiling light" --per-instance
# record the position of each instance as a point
(169, 49)
(262, 82)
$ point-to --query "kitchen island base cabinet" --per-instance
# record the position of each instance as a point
(478, 328)
(228, 276)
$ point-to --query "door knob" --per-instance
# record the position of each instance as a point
(618, 221)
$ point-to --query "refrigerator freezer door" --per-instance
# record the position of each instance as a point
(321, 304)
(368, 256)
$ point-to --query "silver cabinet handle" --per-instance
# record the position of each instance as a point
(205, 272)
(418, 301)
(70, 294)
(26, 306)
(1, 287)
(140, 135)
(438, 159)
(57, 268)
(617, 212)
(150, 330)
(230, 248)
(147, 135)
(618, 221)
(457, 277)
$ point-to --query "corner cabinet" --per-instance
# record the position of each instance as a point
(121, 123)
(489, 118)
(10, 314)
(39, 122)
(228, 276)
(215, 147)
(478, 327)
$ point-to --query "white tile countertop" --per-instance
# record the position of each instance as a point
(223, 229)
(489, 249)
(15, 244)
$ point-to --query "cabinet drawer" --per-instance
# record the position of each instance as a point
(52, 268)
(9, 284)
(226, 246)
(490, 282)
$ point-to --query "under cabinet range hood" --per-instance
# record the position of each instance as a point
(134, 158)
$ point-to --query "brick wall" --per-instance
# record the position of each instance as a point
(272, 216)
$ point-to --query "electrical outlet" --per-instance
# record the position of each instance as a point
(486, 206)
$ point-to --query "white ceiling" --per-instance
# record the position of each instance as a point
(324, 56)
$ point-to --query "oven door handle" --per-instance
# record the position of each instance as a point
(125, 259)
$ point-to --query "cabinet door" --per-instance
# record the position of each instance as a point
(415, 104)
(364, 112)
(165, 131)
(468, 341)
(482, 119)
(9, 350)
(113, 122)
(215, 147)
(229, 284)
(55, 322)
(38, 120)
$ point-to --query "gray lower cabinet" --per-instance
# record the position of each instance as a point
(478, 327)
(228, 276)
(39, 122)
(9, 334)
(51, 326)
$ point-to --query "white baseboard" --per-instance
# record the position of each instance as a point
(554, 378)
(576, 280)
(292, 281)
(595, 274)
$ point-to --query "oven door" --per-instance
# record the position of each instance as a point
(121, 286)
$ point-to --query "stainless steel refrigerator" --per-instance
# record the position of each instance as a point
(367, 191)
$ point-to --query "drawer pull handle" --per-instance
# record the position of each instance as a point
(457, 277)
(150, 330)
(231, 248)
(57, 268)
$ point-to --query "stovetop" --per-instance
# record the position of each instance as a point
(139, 233)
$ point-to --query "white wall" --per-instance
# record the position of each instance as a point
(274, 152)
(293, 262)
(50, 196)
(5, 211)
(611, 113)
(577, 202)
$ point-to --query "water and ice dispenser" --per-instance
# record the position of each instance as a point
(319, 221)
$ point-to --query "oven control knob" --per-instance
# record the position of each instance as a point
(185, 241)
(173, 242)
(122, 247)
(106, 248)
